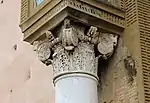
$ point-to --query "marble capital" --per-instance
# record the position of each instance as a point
(73, 50)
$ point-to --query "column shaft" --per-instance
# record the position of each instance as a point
(76, 88)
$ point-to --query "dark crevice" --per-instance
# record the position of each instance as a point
(10, 90)
(15, 47)
(2, 1)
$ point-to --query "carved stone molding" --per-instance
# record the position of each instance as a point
(76, 4)
(73, 50)
(30, 27)
(82, 60)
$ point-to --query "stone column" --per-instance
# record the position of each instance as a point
(75, 74)
(72, 52)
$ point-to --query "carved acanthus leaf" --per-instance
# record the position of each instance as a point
(49, 35)
(43, 48)
(93, 32)
(35, 45)
(73, 50)
(69, 35)
(43, 51)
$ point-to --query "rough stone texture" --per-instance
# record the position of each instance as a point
(117, 85)
(23, 78)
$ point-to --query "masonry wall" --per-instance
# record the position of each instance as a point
(23, 78)
(117, 85)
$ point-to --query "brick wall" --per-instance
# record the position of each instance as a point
(117, 85)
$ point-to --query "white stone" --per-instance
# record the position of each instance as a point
(75, 63)
(75, 88)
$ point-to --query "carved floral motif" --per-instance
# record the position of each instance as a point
(69, 36)
(74, 51)
(106, 44)
(43, 51)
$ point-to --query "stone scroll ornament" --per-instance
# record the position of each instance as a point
(73, 49)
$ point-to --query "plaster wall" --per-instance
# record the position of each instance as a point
(23, 78)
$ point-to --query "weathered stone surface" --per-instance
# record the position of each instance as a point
(117, 85)
(55, 11)
(74, 52)
(74, 49)
(24, 79)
